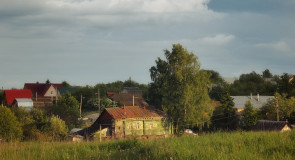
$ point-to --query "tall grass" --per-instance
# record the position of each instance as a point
(237, 145)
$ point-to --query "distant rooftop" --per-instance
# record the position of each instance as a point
(257, 101)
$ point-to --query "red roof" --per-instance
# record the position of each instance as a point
(134, 112)
(41, 88)
(12, 94)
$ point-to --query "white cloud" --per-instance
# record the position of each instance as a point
(113, 6)
(279, 46)
(218, 40)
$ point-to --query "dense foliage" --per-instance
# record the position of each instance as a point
(281, 106)
(224, 116)
(180, 88)
(67, 108)
(249, 116)
(10, 128)
(252, 83)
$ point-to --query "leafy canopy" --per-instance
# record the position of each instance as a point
(180, 88)
(10, 128)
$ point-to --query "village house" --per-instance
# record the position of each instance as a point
(18, 98)
(257, 101)
(266, 125)
(43, 93)
(129, 121)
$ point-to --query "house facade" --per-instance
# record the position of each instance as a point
(129, 121)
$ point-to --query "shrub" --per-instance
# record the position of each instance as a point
(10, 128)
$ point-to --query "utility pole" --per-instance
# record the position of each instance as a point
(98, 100)
(277, 106)
(81, 106)
(2, 96)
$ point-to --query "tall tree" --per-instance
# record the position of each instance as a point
(224, 116)
(180, 88)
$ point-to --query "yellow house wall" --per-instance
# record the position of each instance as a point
(142, 126)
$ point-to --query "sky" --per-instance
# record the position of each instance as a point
(85, 42)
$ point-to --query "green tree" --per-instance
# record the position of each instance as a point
(266, 74)
(65, 84)
(26, 121)
(56, 128)
(219, 86)
(286, 84)
(180, 88)
(10, 129)
(281, 104)
(252, 83)
(224, 116)
(67, 108)
(249, 116)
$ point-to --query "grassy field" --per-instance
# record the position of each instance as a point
(237, 145)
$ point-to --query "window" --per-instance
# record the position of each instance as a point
(137, 125)
(151, 125)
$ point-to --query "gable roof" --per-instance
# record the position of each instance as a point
(240, 101)
(41, 88)
(133, 112)
(266, 125)
(11, 95)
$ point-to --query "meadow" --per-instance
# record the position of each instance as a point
(221, 145)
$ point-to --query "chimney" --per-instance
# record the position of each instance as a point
(258, 97)
(144, 107)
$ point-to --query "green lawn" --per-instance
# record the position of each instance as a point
(237, 145)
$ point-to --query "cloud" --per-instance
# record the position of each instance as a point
(219, 39)
(278, 46)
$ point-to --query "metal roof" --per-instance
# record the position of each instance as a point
(266, 125)
(257, 101)
(134, 112)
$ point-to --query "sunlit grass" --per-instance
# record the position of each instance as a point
(236, 145)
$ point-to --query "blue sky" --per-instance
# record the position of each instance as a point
(92, 41)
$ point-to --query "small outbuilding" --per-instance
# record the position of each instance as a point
(266, 125)
(23, 102)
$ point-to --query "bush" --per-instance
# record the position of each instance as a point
(56, 128)
(10, 128)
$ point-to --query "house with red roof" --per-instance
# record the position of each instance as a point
(43, 90)
(128, 121)
(11, 95)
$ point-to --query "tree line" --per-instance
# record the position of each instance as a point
(179, 86)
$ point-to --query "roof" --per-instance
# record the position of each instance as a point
(266, 125)
(240, 101)
(133, 112)
(126, 99)
(11, 95)
(41, 88)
